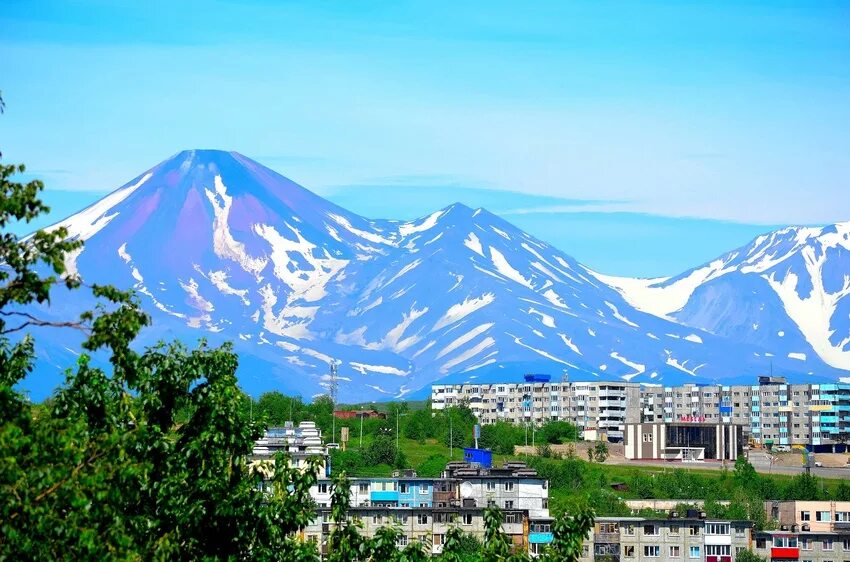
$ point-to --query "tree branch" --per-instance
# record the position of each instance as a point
(34, 321)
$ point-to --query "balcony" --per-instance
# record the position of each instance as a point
(785, 553)
(718, 559)
(384, 496)
(540, 538)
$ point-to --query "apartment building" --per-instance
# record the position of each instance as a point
(602, 407)
(810, 531)
(691, 537)
(300, 442)
(425, 508)
(772, 412)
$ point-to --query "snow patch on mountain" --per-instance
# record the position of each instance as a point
(503, 267)
(461, 310)
(224, 245)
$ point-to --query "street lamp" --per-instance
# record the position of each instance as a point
(397, 415)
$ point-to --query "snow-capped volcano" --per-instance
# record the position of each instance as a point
(785, 291)
(221, 247)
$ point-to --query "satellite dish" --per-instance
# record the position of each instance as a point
(466, 490)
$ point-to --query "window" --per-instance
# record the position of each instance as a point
(651, 551)
(509, 504)
(718, 550)
(827, 544)
(650, 530)
(402, 541)
(674, 529)
(491, 486)
(674, 552)
(717, 528)
(806, 544)
(422, 518)
(423, 488)
(423, 504)
(467, 519)
(377, 519)
(630, 530)
(509, 486)
(403, 488)
(693, 531)
(695, 552)
(647, 438)
(323, 488)
(438, 539)
(846, 544)
(629, 551)
(822, 516)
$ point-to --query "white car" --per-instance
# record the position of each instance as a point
(818, 464)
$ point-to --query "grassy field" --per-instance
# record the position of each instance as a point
(418, 453)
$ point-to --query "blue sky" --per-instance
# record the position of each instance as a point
(642, 138)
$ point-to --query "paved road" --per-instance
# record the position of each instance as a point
(760, 462)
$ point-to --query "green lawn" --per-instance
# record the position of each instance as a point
(417, 453)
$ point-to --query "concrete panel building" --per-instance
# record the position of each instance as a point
(601, 407)
(632, 539)
(425, 508)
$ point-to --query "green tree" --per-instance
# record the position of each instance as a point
(501, 437)
(557, 432)
(748, 556)
(279, 408)
(842, 492)
(570, 531)
(803, 487)
(345, 543)
(600, 451)
(460, 547)
(145, 460)
(381, 450)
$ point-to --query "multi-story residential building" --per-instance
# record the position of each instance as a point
(299, 442)
(425, 508)
(603, 407)
(772, 412)
(691, 537)
(812, 531)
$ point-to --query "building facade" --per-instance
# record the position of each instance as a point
(683, 441)
(812, 531)
(301, 442)
(425, 508)
(632, 539)
(771, 412)
(601, 407)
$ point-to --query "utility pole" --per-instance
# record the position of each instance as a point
(333, 389)
(361, 430)
(451, 437)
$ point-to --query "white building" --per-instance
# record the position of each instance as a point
(596, 407)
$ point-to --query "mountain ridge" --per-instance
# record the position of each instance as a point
(220, 246)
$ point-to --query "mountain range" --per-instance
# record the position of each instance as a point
(222, 248)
